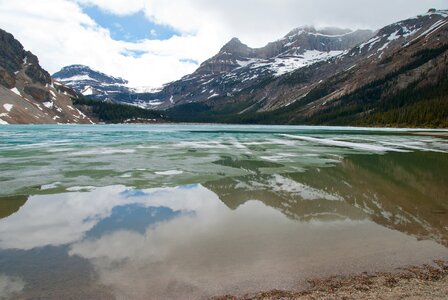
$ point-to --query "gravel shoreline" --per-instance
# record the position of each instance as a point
(423, 282)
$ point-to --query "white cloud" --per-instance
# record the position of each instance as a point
(60, 33)
(54, 226)
(117, 7)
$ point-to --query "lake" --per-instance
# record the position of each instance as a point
(195, 211)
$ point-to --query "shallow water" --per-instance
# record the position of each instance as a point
(193, 211)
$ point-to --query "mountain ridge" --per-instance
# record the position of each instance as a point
(237, 66)
(327, 76)
(248, 64)
(28, 94)
(404, 60)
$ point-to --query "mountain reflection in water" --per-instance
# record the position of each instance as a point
(403, 191)
(239, 234)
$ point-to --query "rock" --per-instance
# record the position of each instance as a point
(35, 71)
(39, 94)
(27, 87)
(6, 79)
(12, 53)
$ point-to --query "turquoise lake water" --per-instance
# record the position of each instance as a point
(195, 211)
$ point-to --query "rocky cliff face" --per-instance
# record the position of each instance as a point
(28, 94)
(13, 57)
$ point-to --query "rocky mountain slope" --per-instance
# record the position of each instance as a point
(237, 67)
(234, 68)
(27, 92)
(402, 65)
(396, 76)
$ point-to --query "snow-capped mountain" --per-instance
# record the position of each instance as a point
(329, 76)
(235, 67)
(100, 86)
(238, 66)
(92, 83)
(27, 92)
(404, 33)
(401, 65)
(302, 46)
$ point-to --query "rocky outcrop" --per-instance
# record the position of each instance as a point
(13, 57)
(7, 79)
(28, 94)
(12, 53)
(35, 71)
(227, 58)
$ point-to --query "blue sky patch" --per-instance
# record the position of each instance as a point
(133, 193)
(132, 217)
(189, 60)
(189, 186)
(133, 53)
(131, 28)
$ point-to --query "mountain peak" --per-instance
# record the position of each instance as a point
(328, 31)
(76, 66)
(331, 31)
(235, 47)
(234, 40)
(79, 72)
(300, 30)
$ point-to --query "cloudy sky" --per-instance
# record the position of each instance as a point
(151, 42)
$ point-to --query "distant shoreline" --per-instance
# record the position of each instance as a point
(414, 130)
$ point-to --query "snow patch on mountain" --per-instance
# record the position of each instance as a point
(284, 65)
(77, 78)
(48, 104)
(145, 89)
(8, 107)
(15, 91)
(88, 91)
